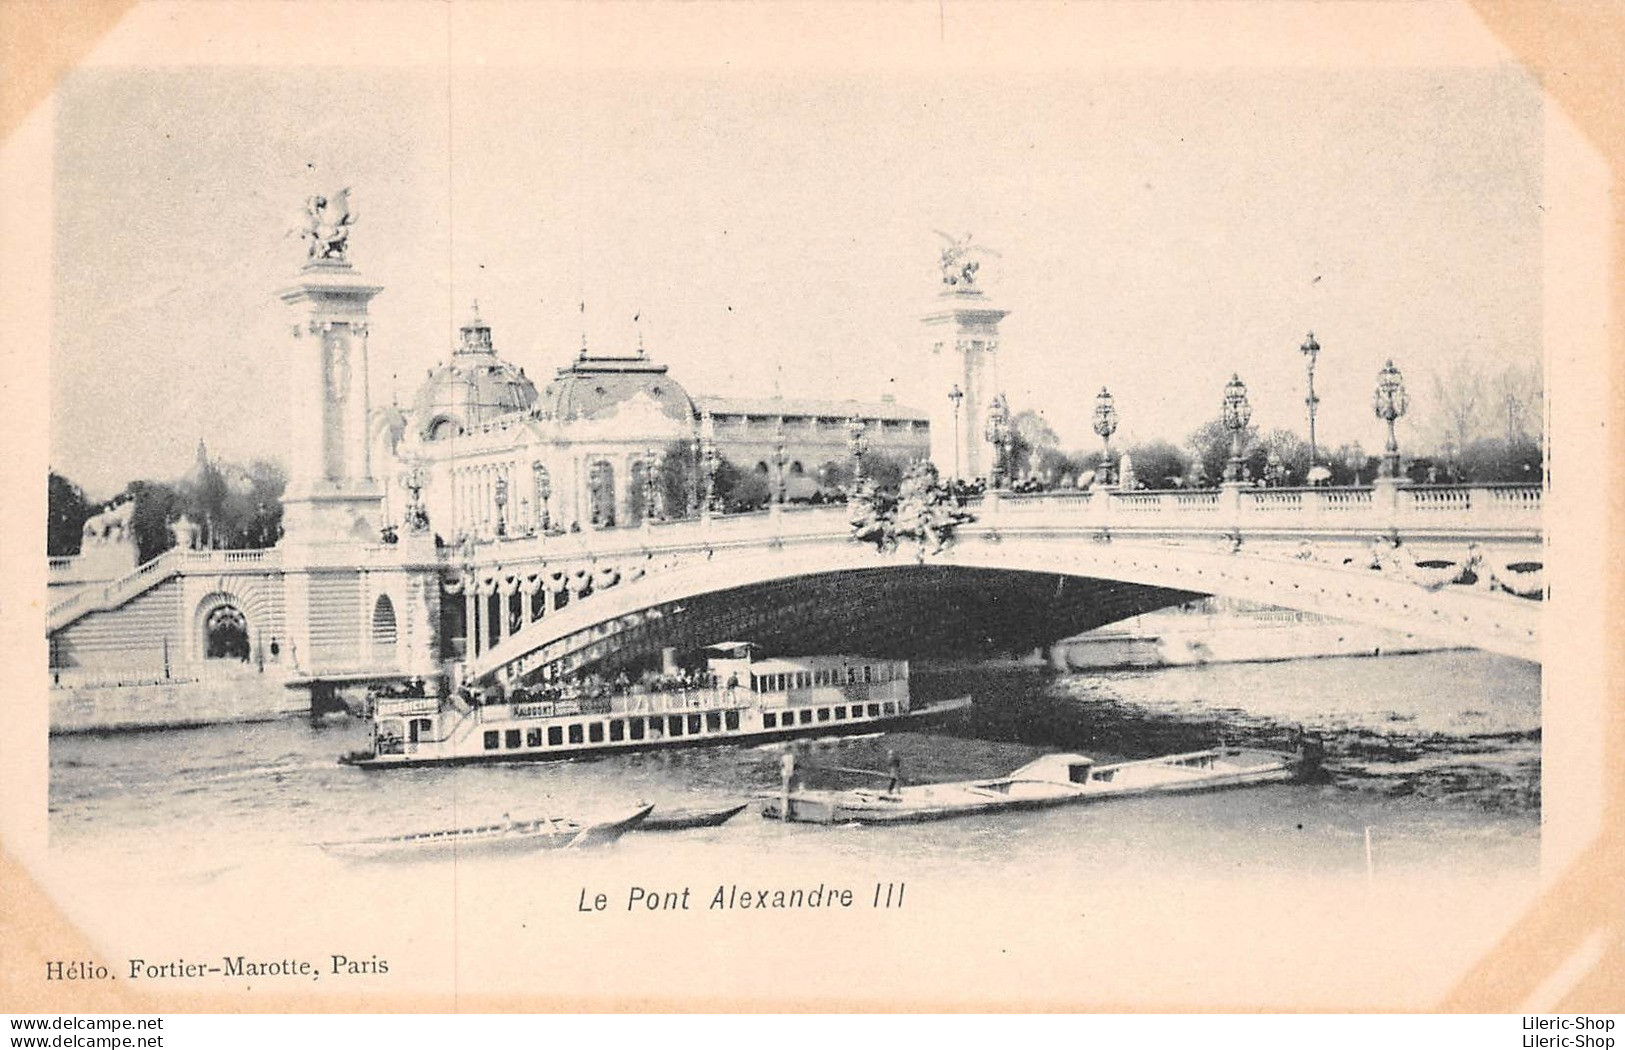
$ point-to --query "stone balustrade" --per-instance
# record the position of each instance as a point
(170, 563)
(1498, 510)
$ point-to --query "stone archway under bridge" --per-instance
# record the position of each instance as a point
(906, 592)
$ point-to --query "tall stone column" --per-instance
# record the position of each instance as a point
(332, 496)
(333, 502)
(963, 332)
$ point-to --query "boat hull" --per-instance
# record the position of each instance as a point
(932, 802)
(685, 819)
(753, 737)
(509, 838)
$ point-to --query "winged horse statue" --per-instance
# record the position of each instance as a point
(957, 266)
(327, 225)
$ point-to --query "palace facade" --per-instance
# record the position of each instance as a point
(608, 440)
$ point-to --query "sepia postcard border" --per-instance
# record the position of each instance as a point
(1567, 953)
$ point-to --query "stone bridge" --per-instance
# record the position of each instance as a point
(1462, 565)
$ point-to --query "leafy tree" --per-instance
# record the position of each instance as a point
(156, 505)
(1282, 447)
(884, 472)
(66, 511)
(263, 507)
(1158, 464)
(1031, 437)
(206, 494)
(1351, 465)
(739, 490)
(1210, 448)
(679, 476)
(1051, 465)
(835, 474)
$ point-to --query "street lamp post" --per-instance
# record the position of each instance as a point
(1105, 426)
(1390, 402)
(502, 504)
(544, 492)
(648, 485)
(1355, 461)
(414, 479)
(707, 462)
(1274, 470)
(858, 441)
(1237, 414)
(695, 482)
(956, 395)
(998, 433)
(1311, 350)
(709, 457)
(780, 458)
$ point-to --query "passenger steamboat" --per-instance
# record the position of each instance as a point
(738, 699)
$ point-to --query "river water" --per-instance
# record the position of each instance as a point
(1420, 844)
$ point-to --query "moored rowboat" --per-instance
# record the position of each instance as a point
(1052, 780)
(684, 819)
(511, 836)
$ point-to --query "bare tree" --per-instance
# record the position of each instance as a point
(1460, 394)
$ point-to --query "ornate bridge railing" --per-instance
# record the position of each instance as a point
(1347, 530)
(1502, 509)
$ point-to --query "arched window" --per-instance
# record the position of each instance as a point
(637, 491)
(383, 626)
(796, 469)
(601, 494)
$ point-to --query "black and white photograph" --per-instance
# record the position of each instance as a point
(788, 507)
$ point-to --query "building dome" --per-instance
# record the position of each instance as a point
(598, 388)
(473, 388)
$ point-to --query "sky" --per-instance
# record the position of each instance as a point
(773, 230)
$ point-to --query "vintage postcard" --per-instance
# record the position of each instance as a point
(920, 506)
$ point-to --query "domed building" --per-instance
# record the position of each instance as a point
(472, 389)
(498, 458)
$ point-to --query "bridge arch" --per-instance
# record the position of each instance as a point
(1167, 573)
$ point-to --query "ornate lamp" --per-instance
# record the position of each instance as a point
(502, 504)
(1355, 461)
(709, 457)
(780, 458)
(858, 440)
(1105, 426)
(544, 492)
(955, 396)
(648, 484)
(414, 479)
(708, 460)
(1274, 470)
(1237, 414)
(998, 433)
(1390, 402)
(1310, 350)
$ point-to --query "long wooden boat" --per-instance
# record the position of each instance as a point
(685, 819)
(1052, 780)
(509, 836)
(739, 700)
